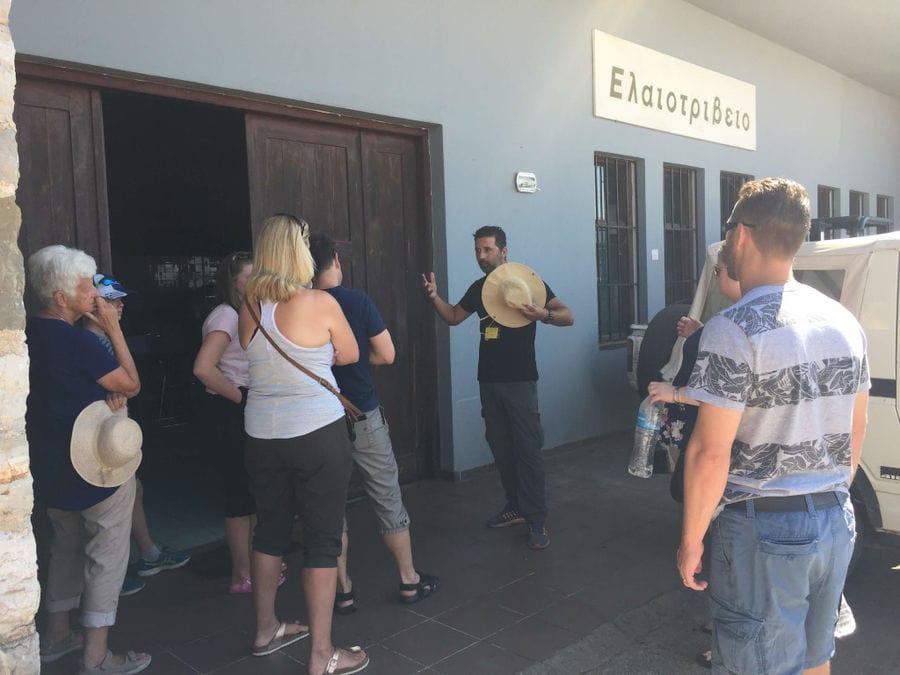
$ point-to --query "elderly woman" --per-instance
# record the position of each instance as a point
(298, 450)
(70, 369)
(221, 365)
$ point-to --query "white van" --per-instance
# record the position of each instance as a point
(863, 273)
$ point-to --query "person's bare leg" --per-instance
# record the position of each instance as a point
(398, 543)
(238, 535)
(264, 573)
(824, 669)
(58, 627)
(319, 587)
(95, 646)
(344, 583)
(139, 529)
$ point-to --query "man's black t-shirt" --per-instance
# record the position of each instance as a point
(506, 355)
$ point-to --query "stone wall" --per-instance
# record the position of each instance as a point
(19, 590)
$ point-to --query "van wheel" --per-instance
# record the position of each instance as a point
(656, 347)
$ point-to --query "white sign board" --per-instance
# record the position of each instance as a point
(641, 86)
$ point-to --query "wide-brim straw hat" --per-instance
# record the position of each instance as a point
(106, 445)
(507, 289)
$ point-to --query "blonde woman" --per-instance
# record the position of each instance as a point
(298, 452)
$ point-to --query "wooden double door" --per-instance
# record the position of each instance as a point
(362, 186)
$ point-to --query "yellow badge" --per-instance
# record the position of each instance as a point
(491, 333)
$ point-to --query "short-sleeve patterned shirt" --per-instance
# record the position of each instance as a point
(792, 361)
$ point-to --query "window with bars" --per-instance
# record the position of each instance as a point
(884, 207)
(615, 181)
(828, 207)
(859, 203)
(827, 198)
(680, 232)
(729, 187)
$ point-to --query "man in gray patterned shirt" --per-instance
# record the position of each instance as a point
(782, 381)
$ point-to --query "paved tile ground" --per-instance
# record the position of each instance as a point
(604, 598)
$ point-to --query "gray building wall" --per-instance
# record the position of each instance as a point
(510, 83)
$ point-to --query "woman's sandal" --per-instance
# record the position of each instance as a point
(426, 585)
(332, 669)
(341, 601)
(134, 662)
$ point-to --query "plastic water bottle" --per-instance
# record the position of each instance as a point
(649, 420)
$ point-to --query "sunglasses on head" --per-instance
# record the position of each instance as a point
(105, 281)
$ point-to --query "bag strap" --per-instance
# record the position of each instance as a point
(352, 411)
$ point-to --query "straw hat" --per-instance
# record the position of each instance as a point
(106, 446)
(509, 287)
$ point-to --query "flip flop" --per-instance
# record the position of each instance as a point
(280, 640)
(71, 643)
(332, 669)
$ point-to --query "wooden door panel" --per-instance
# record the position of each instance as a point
(62, 184)
(390, 179)
(313, 172)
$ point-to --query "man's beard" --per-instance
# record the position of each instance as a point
(727, 257)
(487, 267)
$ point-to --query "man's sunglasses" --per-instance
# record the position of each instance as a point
(732, 225)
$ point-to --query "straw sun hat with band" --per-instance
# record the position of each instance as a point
(106, 445)
(507, 289)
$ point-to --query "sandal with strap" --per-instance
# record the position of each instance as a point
(426, 585)
(332, 669)
(134, 662)
(340, 603)
(73, 642)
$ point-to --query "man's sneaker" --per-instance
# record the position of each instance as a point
(167, 560)
(131, 585)
(508, 516)
(538, 537)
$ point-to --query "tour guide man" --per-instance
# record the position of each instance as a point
(507, 374)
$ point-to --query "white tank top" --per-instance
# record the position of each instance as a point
(285, 402)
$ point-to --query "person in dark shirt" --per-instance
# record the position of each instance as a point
(372, 450)
(70, 369)
(507, 376)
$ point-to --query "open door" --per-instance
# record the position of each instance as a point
(62, 184)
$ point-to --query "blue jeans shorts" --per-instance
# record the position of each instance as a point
(775, 586)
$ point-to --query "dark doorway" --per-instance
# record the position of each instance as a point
(178, 202)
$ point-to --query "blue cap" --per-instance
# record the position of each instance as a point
(109, 288)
